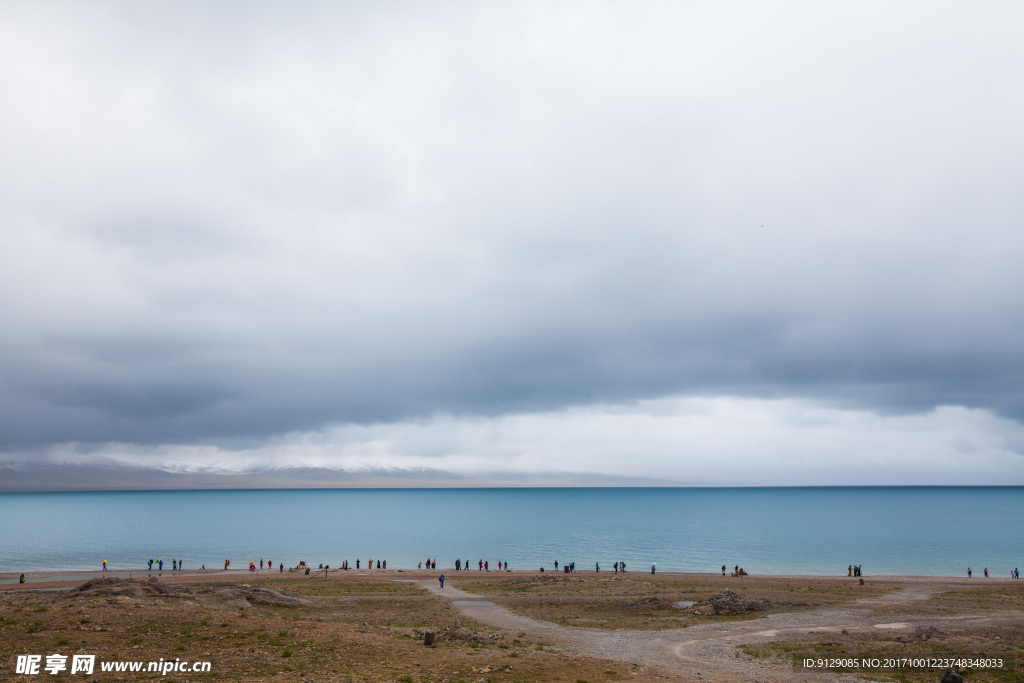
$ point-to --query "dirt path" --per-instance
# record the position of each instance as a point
(707, 653)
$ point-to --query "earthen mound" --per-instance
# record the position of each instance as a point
(728, 602)
(529, 581)
(226, 594)
(453, 633)
(648, 604)
(246, 596)
(128, 588)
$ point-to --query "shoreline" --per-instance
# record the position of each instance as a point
(61, 579)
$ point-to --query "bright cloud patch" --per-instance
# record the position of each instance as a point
(718, 441)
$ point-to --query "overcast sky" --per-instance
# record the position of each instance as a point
(709, 243)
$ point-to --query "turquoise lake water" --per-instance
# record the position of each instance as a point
(918, 531)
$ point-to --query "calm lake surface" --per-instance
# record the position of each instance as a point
(919, 531)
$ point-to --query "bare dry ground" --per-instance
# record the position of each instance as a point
(642, 601)
(792, 619)
(346, 628)
(581, 627)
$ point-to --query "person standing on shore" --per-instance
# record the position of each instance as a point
(151, 564)
(723, 570)
(968, 572)
(441, 579)
(986, 572)
(458, 564)
(104, 565)
(653, 565)
(160, 564)
(21, 579)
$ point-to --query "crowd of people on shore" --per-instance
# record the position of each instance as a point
(463, 565)
(177, 565)
(429, 564)
(1014, 573)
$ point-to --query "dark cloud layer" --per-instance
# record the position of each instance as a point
(222, 226)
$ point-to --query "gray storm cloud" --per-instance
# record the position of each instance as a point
(227, 224)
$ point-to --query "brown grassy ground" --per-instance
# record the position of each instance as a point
(355, 628)
(1004, 641)
(358, 627)
(625, 602)
(646, 602)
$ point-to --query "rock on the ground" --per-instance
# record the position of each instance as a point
(728, 602)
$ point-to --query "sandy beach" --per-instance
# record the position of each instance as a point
(370, 624)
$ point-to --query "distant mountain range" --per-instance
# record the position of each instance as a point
(22, 477)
